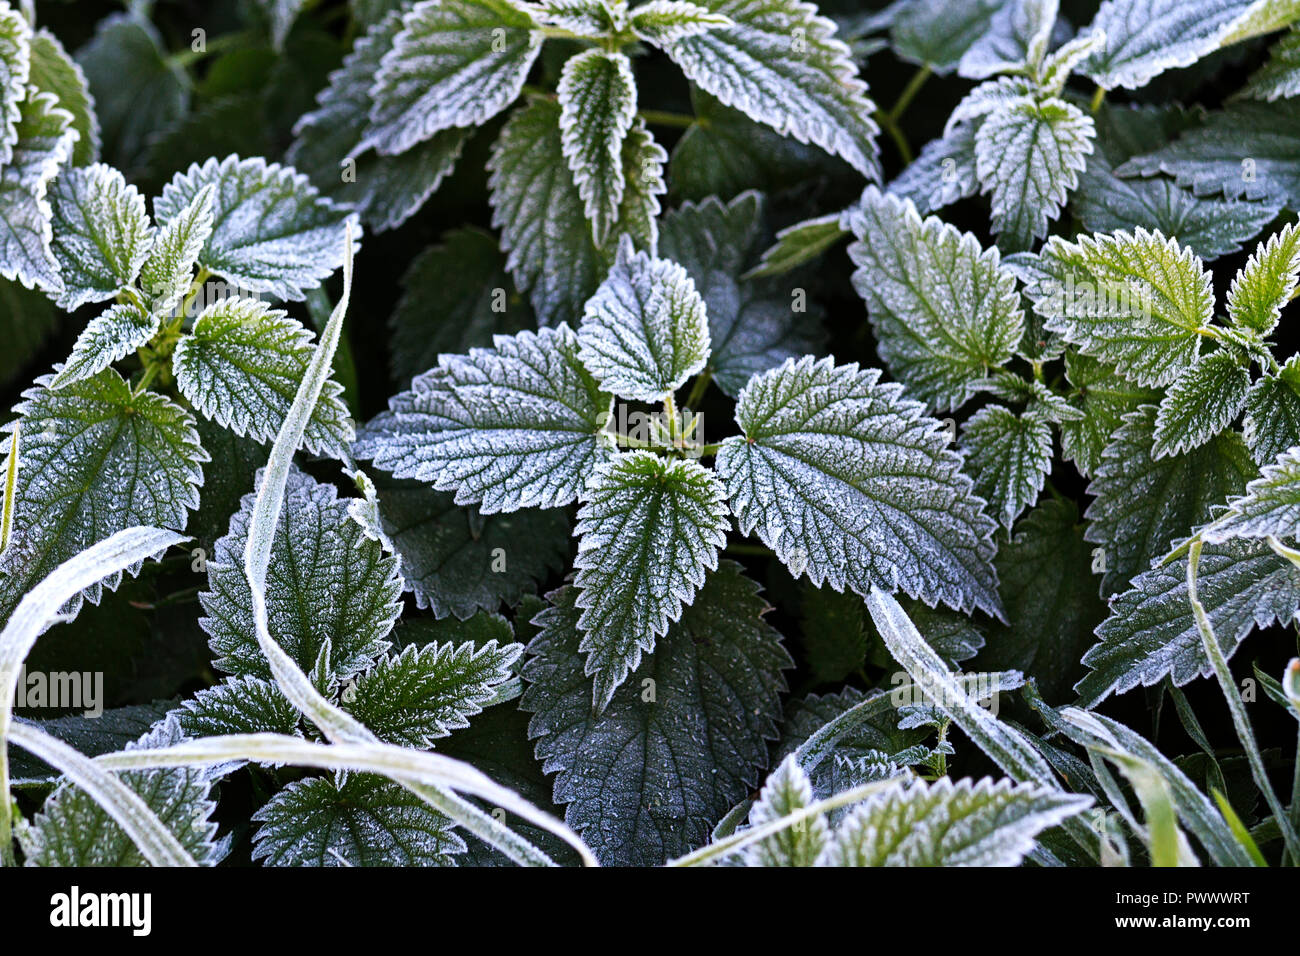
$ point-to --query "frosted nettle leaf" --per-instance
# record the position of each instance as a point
(989, 98)
(365, 820)
(649, 529)
(597, 96)
(1267, 282)
(107, 338)
(1058, 66)
(1009, 456)
(44, 144)
(595, 19)
(1105, 397)
(102, 233)
(413, 698)
(1201, 402)
(938, 34)
(1144, 38)
(1028, 156)
(838, 471)
(457, 561)
(137, 91)
(799, 244)
(684, 738)
(95, 459)
(238, 705)
(753, 323)
(455, 63)
(787, 790)
(272, 232)
(1279, 78)
(643, 172)
(1151, 634)
(947, 824)
(73, 830)
(1246, 150)
(466, 278)
(1016, 39)
(15, 69)
(326, 582)
(53, 71)
(664, 22)
(241, 366)
(645, 331)
(943, 173)
(1273, 412)
(1051, 599)
(781, 63)
(168, 270)
(540, 213)
(1270, 506)
(112, 730)
(1136, 300)
(1130, 477)
(282, 14)
(942, 310)
(385, 190)
(515, 426)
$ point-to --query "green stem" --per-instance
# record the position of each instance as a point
(627, 441)
(150, 373)
(1098, 97)
(559, 33)
(665, 118)
(909, 92)
(195, 288)
(698, 388)
(11, 487)
(1240, 721)
(710, 449)
(896, 134)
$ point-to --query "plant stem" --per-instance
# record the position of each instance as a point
(1240, 721)
(666, 118)
(909, 92)
(150, 373)
(698, 388)
(710, 449)
(1098, 97)
(896, 134)
(195, 288)
(627, 441)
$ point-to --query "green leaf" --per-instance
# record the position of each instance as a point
(1009, 456)
(1245, 150)
(241, 365)
(73, 830)
(663, 22)
(798, 244)
(272, 232)
(1151, 633)
(1017, 39)
(137, 93)
(466, 275)
(326, 583)
(1144, 38)
(1280, 76)
(787, 790)
(1051, 600)
(1273, 412)
(102, 233)
(1105, 397)
(1267, 282)
(413, 698)
(238, 705)
(943, 173)
(15, 70)
(540, 213)
(363, 821)
(515, 426)
(851, 484)
(1130, 477)
(1269, 507)
(457, 561)
(107, 338)
(645, 331)
(938, 34)
(781, 63)
(682, 740)
(1135, 300)
(168, 270)
(1201, 402)
(53, 71)
(1028, 156)
(455, 63)
(27, 318)
(649, 529)
(947, 824)
(112, 730)
(834, 631)
(597, 97)
(44, 144)
(942, 310)
(595, 19)
(754, 324)
(95, 458)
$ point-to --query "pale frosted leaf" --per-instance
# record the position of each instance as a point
(664, 22)
(1017, 37)
(102, 233)
(799, 244)
(107, 338)
(1273, 412)
(1267, 282)
(238, 705)
(1201, 402)
(1270, 506)
(597, 97)
(168, 270)
(939, 32)
(1009, 456)
(594, 19)
(15, 70)
(943, 173)
(1105, 397)
(1280, 77)
(787, 790)
(53, 71)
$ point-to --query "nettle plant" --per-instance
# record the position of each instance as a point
(683, 539)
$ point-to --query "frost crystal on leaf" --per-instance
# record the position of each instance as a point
(597, 97)
(102, 233)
